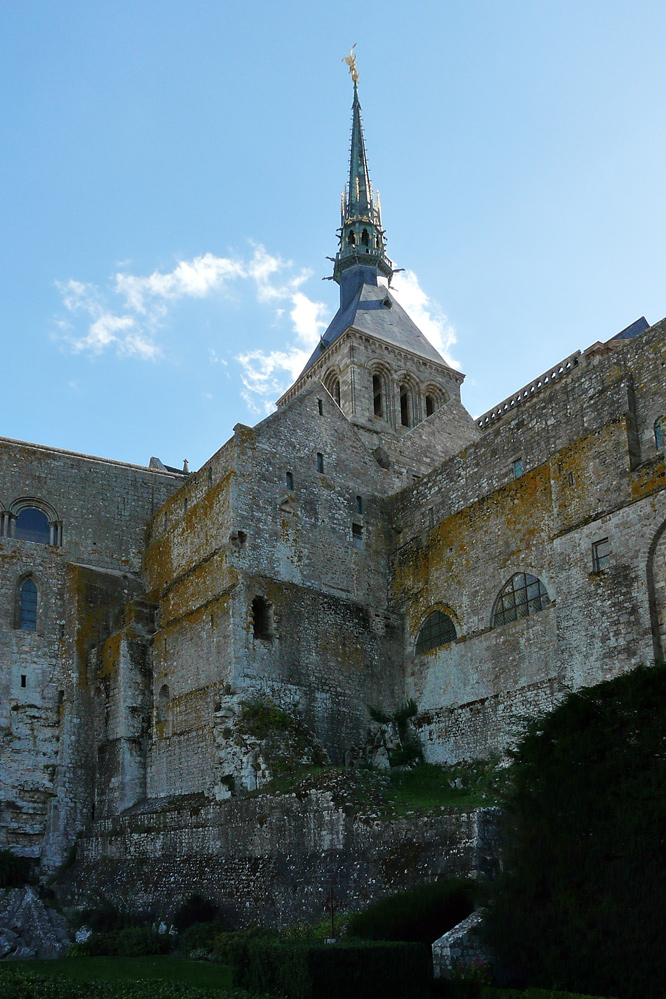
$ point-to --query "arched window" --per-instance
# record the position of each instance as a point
(351, 239)
(659, 432)
(262, 619)
(378, 402)
(28, 607)
(430, 405)
(33, 525)
(405, 406)
(521, 596)
(436, 630)
(162, 703)
(365, 239)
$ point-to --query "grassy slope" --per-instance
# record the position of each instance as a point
(127, 969)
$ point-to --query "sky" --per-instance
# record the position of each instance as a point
(170, 179)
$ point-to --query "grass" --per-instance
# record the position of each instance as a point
(204, 975)
(419, 789)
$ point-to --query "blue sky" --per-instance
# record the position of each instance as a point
(170, 182)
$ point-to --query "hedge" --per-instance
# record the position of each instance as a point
(328, 971)
(26, 985)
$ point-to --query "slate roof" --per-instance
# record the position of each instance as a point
(362, 306)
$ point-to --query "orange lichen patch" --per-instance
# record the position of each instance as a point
(204, 583)
(649, 478)
(434, 569)
(110, 656)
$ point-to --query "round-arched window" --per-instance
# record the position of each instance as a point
(436, 630)
(33, 525)
(521, 596)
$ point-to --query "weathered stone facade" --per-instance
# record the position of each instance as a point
(141, 608)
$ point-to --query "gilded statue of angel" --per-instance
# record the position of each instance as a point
(351, 62)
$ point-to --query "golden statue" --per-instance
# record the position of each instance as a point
(351, 62)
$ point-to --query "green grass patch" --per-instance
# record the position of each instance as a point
(129, 969)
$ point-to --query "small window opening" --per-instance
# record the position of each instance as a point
(320, 462)
(659, 432)
(377, 395)
(351, 239)
(359, 504)
(210, 476)
(28, 614)
(365, 239)
(165, 520)
(387, 303)
(290, 480)
(262, 623)
(570, 478)
(357, 535)
(320, 407)
(430, 405)
(335, 390)
(24, 680)
(33, 525)
(162, 702)
(601, 553)
(185, 505)
(517, 467)
(404, 405)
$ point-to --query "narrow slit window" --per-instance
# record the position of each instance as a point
(289, 480)
(335, 390)
(430, 405)
(210, 476)
(320, 407)
(357, 535)
(404, 405)
(320, 462)
(359, 504)
(262, 619)
(377, 400)
(28, 611)
(659, 433)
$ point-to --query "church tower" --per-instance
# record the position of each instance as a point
(380, 369)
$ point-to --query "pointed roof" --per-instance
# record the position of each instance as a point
(359, 199)
(370, 307)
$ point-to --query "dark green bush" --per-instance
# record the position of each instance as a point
(420, 914)
(199, 936)
(580, 905)
(132, 941)
(14, 870)
(16, 984)
(105, 917)
(327, 971)
(196, 909)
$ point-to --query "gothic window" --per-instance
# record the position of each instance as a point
(351, 239)
(659, 426)
(436, 630)
(404, 406)
(28, 607)
(33, 525)
(377, 396)
(522, 595)
(262, 619)
(365, 239)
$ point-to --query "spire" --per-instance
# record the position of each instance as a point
(361, 235)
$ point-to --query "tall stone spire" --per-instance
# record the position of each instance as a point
(361, 234)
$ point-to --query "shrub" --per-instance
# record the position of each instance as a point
(14, 870)
(580, 904)
(199, 937)
(422, 913)
(26, 985)
(196, 909)
(132, 941)
(325, 971)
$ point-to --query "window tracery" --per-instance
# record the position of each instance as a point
(521, 596)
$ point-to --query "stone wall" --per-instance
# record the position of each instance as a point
(273, 860)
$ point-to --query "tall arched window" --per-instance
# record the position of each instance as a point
(28, 607)
(335, 390)
(436, 630)
(33, 525)
(377, 399)
(522, 595)
(430, 405)
(659, 432)
(405, 405)
(162, 703)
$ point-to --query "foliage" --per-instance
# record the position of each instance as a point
(199, 937)
(131, 941)
(261, 717)
(130, 969)
(490, 993)
(379, 716)
(580, 904)
(422, 913)
(196, 909)
(285, 738)
(105, 917)
(325, 971)
(14, 870)
(21, 984)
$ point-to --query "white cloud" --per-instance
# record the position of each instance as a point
(426, 314)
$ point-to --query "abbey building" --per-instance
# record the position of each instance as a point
(367, 543)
